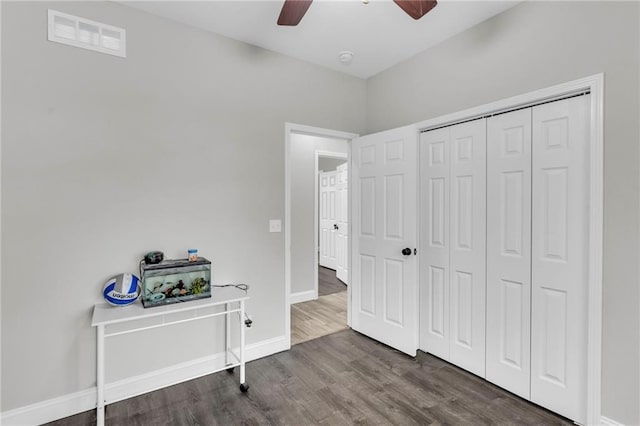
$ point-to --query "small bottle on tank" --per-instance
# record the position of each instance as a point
(192, 255)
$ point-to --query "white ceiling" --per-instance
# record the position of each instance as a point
(379, 33)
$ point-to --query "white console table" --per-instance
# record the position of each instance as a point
(104, 315)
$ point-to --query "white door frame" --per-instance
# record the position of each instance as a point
(594, 84)
(316, 218)
(290, 128)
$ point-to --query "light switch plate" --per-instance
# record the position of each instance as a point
(275, 225)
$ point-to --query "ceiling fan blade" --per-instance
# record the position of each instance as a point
(416, 8)
(293, 11)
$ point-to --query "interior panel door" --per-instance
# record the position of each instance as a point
(342, 218)
(434, 229)
(327, 222)
(467, 245)
(509, 251)
(560, 229)
(384, 289)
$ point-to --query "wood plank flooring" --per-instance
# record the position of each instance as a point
(317, 318)
(328, 283)
(326, 315)
(340, 379)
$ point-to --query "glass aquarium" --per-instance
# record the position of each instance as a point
(173, 281)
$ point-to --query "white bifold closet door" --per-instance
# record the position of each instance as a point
(509, 251)
(327, 220)
(560, 245)
(453, 227)
(537, 253)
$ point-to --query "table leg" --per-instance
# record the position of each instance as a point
(243, 385)
(227, 334)
(100, 377)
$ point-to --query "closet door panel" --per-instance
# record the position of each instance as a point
(509, 251)
(467, 245)
(560, 230)
(434, 225)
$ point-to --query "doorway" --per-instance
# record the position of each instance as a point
(317, 301)
(326, 314)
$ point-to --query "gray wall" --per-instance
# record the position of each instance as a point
(84, 134)
(329, 164)
(179, 145)
(536, 45)
(302, 161)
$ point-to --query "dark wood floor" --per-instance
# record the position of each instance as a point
(328, 283)
(340, 379)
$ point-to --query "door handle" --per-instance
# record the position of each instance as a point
(406, 251)
(335, 226)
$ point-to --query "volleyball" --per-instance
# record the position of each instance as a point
(122, 290)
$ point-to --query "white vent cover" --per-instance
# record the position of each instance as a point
(80, 32)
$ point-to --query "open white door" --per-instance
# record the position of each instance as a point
(328, 223)
(384, 289)
(342, 219)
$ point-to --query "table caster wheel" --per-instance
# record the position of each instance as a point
(230, 370)
(244, 387)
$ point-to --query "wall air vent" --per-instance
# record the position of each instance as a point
(80, 32)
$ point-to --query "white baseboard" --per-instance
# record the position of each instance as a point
(51, 409)
(267, 347)
(68, 405)
(606, 421)
(303, 296)
(158, 379)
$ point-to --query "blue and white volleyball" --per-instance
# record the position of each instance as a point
(122, 290)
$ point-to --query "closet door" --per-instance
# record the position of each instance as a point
(434, 217)
(560, 256)
(509, 250)
(453, 226)
(467, 245)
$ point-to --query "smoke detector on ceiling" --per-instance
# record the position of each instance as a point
(345, 57)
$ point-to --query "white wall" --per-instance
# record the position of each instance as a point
(84, 134)
(536, 45)
(179, 145)
(329, 164)
(302, 161)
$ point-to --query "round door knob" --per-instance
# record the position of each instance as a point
(406, 251)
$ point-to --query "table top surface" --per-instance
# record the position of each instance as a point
(105, 314)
